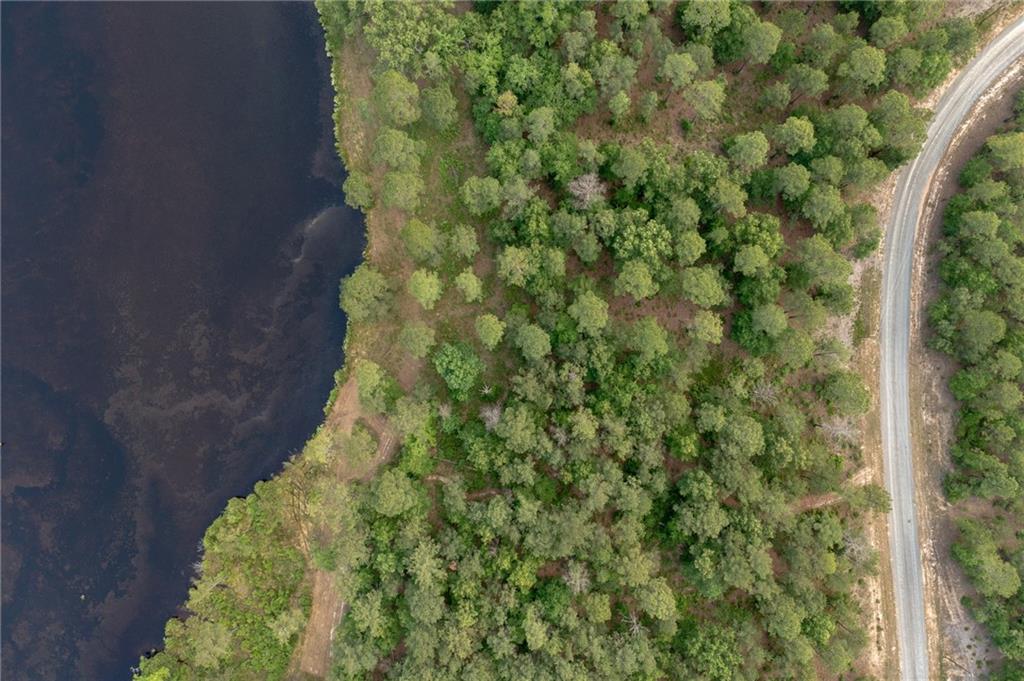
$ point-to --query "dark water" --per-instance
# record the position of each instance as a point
(171, 250)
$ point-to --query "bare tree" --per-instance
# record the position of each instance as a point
(587, 189)
(490, 414)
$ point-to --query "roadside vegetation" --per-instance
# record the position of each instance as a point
(978, 319)
(608, 245)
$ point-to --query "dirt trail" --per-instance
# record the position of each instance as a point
(314, 651)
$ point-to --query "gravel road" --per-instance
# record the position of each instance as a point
(908, 205)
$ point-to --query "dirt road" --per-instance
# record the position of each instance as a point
(911, 191)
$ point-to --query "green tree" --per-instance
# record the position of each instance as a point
(635, 280)
(706, 97)
(481, 195)
(469, 285)
(373, 385)
(979, 331)
(590, 312)
(358, 190)
(806, 81)
(751, 260)
(760, 40)
(397, 98)
(702, 285)
(417, 338)
(977, 551)
(425, 287)
(822, 205)
(422, 241)
(439, 107)
(462, 242)
(394, 494)
(630, 166)
(1007, 150)
(689, 247)
(707, 327)
(704, 18)
(648, 339)
(902, 127)
(533, 341)
(888, 31)
(749, 150)
(460, 368)
(729, 197)
(844, 393)
(490, 330)
(540, 123)
(795, 135)
(366, 294)
(619, 107)
(864, 68)
(397, 150)
(775, 97)
(791, 180)
(768, 319)
(678, 69)
(402, 190)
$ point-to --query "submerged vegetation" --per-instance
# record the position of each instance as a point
(608, 246)
(978, 319)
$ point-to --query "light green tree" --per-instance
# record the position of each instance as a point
(425, 287)
(590, 312)
(490, 330)
(469, 284)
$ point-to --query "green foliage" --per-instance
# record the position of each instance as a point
(750, 150)
(365, 294)
(469, 285)
(358, 192)
(845, 393)
(590, 312)
(402, 190)
(460, 368)
(481, 195)
(533, 342)
(246, 607)
(417, 338)
(397, 150)
(706, 97)
(425, 287)
(635, 280)
(397, 98)
(795, 135)
(978, 552)
(678, 69)
(490, 330)
(461, 242)
(1007, 151)
(422, 241)
(375, 387)
(439, 107)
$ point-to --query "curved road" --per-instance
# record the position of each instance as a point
(908, 204)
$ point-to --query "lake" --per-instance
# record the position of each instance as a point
(172, 241)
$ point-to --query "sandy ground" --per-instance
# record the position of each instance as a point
(960, 644)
